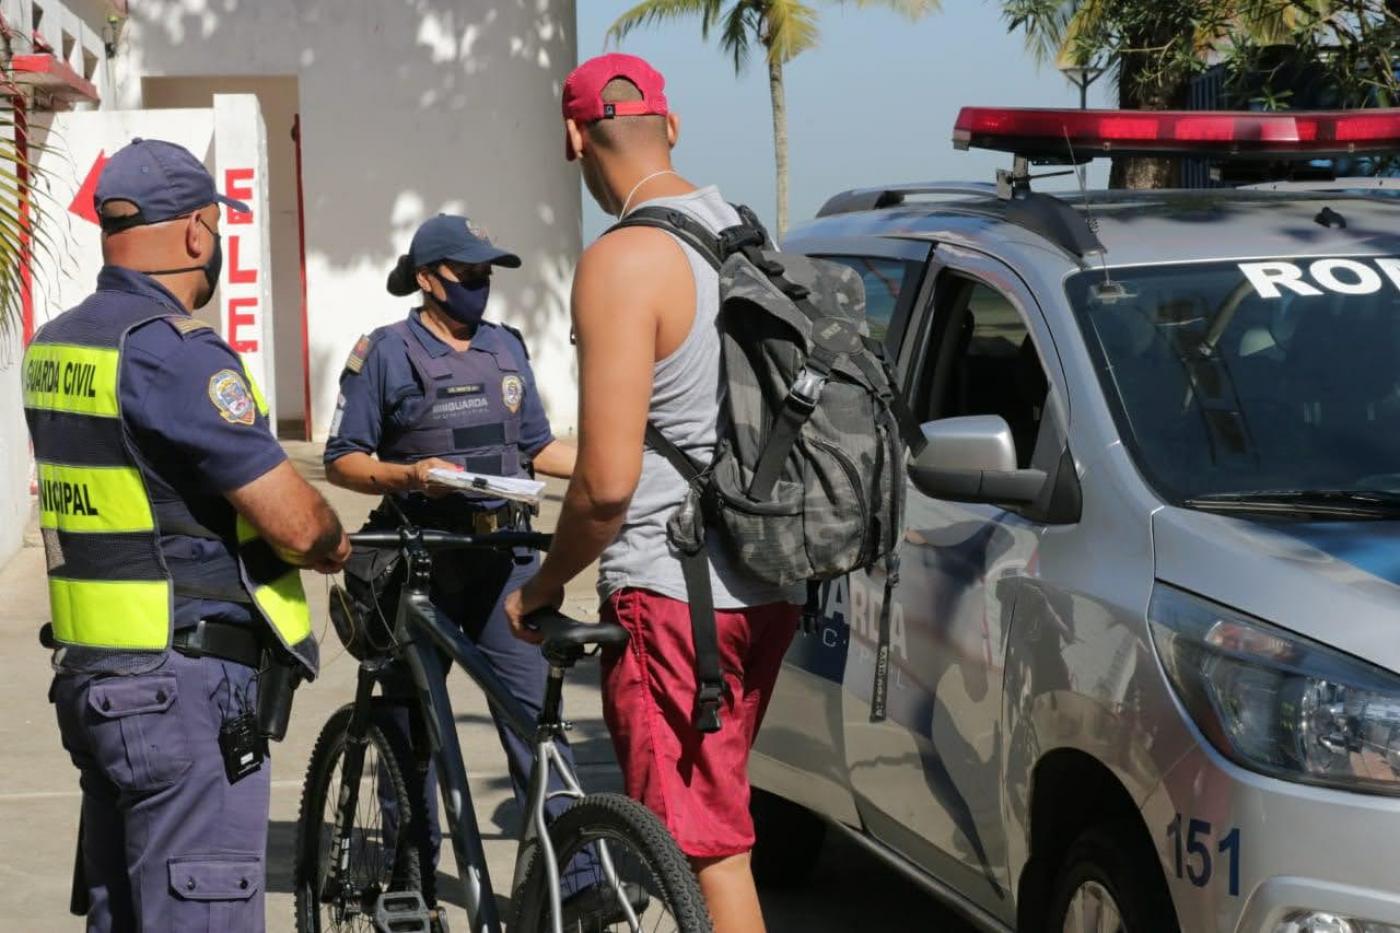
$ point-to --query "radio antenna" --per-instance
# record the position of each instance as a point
(1108, 291)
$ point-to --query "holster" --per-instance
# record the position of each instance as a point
(277, 683)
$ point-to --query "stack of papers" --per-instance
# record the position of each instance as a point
(516, 489)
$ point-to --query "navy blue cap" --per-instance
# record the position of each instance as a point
(162, 179)
(446, 238)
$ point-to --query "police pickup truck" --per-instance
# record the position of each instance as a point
(1145, 650)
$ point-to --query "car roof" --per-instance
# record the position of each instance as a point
(1142, 227)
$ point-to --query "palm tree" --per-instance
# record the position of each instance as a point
(784, 29)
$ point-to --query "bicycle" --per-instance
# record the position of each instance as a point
(345, 876)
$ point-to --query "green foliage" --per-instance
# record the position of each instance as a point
(21, 212)
(1158, 45)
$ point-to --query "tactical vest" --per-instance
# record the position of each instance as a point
(103, 510)
(471, 409)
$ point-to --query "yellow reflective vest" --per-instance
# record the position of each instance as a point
(111, 590)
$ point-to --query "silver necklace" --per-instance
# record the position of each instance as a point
(623, 213)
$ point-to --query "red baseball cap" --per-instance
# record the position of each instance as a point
(583, 92)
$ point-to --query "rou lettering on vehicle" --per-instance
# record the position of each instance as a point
(1310, 278)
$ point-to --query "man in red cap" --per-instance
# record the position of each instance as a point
(644, 312)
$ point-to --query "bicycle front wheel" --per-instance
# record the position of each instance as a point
(379, 861)
(649, 879)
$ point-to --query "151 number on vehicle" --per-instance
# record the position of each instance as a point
(1194, 856)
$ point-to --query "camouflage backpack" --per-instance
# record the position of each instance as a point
(807, 479)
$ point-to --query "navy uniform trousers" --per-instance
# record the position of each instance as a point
(155, 793)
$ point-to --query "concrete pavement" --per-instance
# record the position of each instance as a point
(39, 787)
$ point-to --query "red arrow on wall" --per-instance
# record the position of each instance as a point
(82, 201)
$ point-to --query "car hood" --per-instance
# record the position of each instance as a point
(1334, 582)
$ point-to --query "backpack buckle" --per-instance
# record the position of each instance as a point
(734, 239)
(707, 700)
(806, 390)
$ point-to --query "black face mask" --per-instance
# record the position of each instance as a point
(211, 269)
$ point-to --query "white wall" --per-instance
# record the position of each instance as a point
(409, 107)
(277, 98)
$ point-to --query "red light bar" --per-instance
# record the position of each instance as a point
(1052, 134)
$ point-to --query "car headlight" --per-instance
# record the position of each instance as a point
(1278, 703)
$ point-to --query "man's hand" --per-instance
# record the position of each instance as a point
(526, 600)
(335, 562)
(420, 481)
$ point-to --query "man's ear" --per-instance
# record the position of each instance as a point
(575, 136)
(194, 236)
(673, 129)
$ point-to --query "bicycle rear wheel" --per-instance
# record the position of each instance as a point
(377, 863)
(654, 875)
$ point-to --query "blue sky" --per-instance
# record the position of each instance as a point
(873, 103)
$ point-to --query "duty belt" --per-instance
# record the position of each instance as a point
(227, 641)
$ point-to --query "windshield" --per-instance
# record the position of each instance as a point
(1249, 377)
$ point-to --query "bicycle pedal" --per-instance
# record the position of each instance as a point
(401, 912)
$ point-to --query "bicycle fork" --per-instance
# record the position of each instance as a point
(356, 740)
(547, 758)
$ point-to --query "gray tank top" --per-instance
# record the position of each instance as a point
(685, 404)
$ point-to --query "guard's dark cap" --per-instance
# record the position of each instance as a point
(163, 180)
(446, 238)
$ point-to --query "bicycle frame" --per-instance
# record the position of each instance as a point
(415, 621)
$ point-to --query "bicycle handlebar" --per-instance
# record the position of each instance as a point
(451, 541)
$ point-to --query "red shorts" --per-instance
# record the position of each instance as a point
(697, 783)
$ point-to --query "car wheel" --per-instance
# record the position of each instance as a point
(1111, 882)
(789, 841)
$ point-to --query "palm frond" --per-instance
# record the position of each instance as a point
(909, 9)
(651, 12)
(736, 37)
(789, 29)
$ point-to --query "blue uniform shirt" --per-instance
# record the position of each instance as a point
(386, 391)
(180, 430)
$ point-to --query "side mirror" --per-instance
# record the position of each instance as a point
(973, 459)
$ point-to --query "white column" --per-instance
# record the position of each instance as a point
(245, 288)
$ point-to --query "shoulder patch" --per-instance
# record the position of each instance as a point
(520, 337)
(356, 360)
(231, 397)
(185, 324)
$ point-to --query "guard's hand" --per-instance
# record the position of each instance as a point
(524, 601)
(336, 560)
(420, 482)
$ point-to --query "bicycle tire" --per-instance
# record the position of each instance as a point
(620, 821)
(321, 773)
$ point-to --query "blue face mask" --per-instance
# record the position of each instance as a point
(465, 303)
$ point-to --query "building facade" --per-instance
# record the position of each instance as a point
(374, 115)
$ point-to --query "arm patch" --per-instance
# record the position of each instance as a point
(356, 360)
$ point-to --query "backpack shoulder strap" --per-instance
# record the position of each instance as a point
(680, 225)
(700, 599)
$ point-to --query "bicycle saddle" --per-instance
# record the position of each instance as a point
(566, 640)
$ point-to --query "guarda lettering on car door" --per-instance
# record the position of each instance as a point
(1310, 278)
(854, 600)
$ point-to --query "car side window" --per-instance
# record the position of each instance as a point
(886, 281)
(983, 362)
